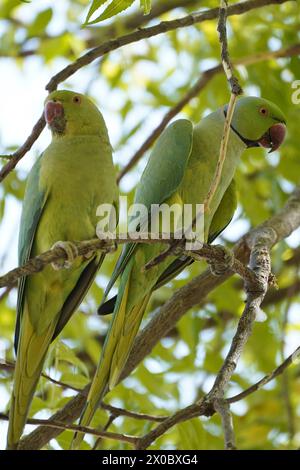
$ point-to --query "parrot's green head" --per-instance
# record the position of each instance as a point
(258, 122)
(70, 113)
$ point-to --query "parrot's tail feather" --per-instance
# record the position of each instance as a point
(32, 350)
(118, 344)
(125, 341)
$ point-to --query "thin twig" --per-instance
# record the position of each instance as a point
(198, 409)
(10, 366)
(18, 154)
(285, 376)
(223, 408)
(110, 420)
(7, 291)
(82, 429)
(222, 156)
(235, 91)
(291, 359)
(235, 87)
(131, 414)
(113, 410)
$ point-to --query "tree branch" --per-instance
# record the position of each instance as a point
(206, 407)
(18, 154)
(86, 247)
(113, 410)
(291, 359)
(235, 87)
(131, 414)
(82, 429)
(223, 408)
(146, 33)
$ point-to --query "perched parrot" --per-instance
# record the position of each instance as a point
(73, 176)
(180, 169)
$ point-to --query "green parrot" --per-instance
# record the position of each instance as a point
(180, 169)
(72, 177)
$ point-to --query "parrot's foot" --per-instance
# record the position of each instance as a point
(219, 268)
(110, 245)
(88, 255)
(71, 251)
(113, 247)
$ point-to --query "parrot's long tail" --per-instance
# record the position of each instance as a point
(31, 354)
(118, 344)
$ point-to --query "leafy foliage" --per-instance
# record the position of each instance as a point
(115, 7)
(134, 87)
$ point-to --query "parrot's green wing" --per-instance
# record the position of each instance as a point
(34, 204)
(162, 176)
(221, 219)
(224, 213)
(78, 293)
(167, 164)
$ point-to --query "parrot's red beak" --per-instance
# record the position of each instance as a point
(274, 137)
(53, 111)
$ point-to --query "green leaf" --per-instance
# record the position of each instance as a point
(146, 5)
(7, 7)
(74, 380)
(115, 7)
(40, 23)
(64, 353)
(95, 5)
(191, 435)
(50, 48)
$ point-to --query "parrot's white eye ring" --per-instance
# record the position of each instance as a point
(77, 99)
(263, 111)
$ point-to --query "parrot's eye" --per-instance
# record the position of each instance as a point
(263, 111)
(77, 99)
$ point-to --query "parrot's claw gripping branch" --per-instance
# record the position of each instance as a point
(71, 251)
